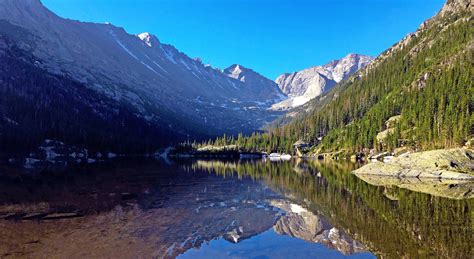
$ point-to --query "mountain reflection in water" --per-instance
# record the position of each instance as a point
(146, 208)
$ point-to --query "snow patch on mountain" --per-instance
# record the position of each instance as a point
(147, 38)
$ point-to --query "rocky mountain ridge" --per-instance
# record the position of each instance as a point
(160, 85)
(309, 83)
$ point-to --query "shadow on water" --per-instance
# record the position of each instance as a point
(147, 208)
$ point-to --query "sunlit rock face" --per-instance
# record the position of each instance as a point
(300, 223)
(309, 83)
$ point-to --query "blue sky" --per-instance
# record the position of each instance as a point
(269, 36)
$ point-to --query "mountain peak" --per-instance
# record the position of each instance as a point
(235, 67)
(26, 13)
(149, 39)
(32, 6)
(353, 55)
(241, 73)
(22, 2)
(340, 69)
(453, 6)
(237, 71)
(264, 87)
(309, 83)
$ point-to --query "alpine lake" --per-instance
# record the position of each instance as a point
(146, 208)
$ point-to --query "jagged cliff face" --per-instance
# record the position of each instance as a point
(307, 84)
(150, 77)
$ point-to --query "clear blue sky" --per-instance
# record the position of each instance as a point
(269, 36)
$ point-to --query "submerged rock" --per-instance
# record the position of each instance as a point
(54, 153)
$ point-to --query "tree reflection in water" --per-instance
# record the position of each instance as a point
(147, 208)
(391, 221)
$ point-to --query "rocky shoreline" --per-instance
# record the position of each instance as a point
(454, 164)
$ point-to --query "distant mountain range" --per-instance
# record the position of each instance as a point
(160, 87)
(95, 85)
(307, 84)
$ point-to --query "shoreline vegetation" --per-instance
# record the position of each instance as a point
(453, 164)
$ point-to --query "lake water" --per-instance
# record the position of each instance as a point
(229, 209)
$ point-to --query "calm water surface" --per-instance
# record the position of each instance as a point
(229, 209)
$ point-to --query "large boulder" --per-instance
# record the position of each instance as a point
(443, 164)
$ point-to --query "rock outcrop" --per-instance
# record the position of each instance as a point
(457, 164)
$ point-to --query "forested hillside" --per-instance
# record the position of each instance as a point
(36, 105)
(419, 93)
